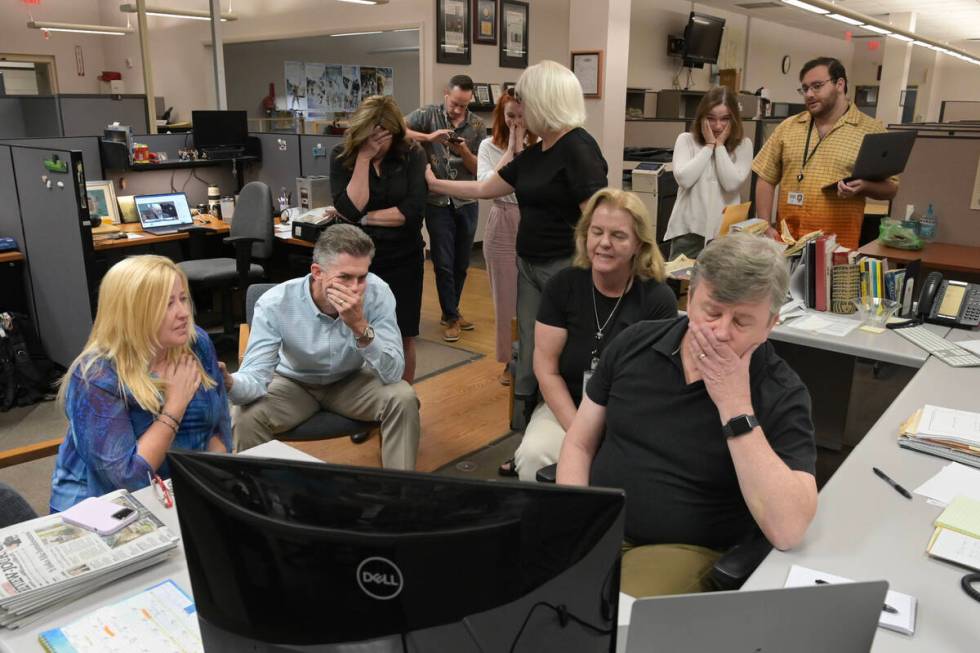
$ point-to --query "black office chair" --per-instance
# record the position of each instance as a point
(734, 566)
(323, 425)
(253, 236)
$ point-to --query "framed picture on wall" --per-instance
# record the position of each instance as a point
(485, 22)
(513, 34)
(101, 199)
(587, 66)
(453, 31)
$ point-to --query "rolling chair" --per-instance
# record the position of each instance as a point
(734, 566)
(252, 235)
(323, 425)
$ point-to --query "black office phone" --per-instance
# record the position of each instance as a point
(949, 302)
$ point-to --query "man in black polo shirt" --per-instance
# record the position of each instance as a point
(706, 429)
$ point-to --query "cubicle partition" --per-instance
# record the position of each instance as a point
(652, 132)
(25, 116)
(280, 164)
(315, 154)
(14, 287)
(953, 110)
(87, 115)
(87, 145)
(58, 247)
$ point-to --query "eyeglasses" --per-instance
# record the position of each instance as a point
(815, 86)
(161, 490)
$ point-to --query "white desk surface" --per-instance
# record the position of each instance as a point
(25, 640)
(865, 530)
(887, 347)
(959, 335)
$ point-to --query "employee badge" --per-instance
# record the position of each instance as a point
(794, 199)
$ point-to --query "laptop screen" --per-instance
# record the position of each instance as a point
(167, 210)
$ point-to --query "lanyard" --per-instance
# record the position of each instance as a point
(807, 155)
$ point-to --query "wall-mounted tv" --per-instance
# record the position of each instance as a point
(702, 39)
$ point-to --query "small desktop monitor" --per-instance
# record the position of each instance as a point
(702, 39)
(286, 555)
(215, 130)
(164, 210)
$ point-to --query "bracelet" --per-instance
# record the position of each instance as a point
(170, 417)
(171, 422)
(169, 426)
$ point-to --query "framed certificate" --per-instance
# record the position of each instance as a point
(453, 31)
(485, 22)
(513, 34)
(587, 66)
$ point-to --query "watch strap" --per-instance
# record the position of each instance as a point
(739, 425)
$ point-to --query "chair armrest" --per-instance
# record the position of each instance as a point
(234, 240)
(735, 566)
(243, 333)
(30, 452)
(243, 256)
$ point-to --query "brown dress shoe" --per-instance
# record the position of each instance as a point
(451, 332)
(463, 323)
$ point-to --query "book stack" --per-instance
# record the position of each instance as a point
(943, 432)
(957, 535)
(46, 563)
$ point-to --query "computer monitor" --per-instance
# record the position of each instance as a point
(219, 129)
(165, 210)
(702, 39)
(284, 555)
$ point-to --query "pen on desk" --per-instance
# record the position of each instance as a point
(886, 608)
(898, 488)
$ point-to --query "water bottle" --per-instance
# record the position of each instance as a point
(927, 224)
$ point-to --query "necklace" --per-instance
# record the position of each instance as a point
(600, 328)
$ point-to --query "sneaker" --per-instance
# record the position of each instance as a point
(451, 332)
(464, 324)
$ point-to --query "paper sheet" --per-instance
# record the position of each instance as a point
(971, 345)
(825, 325)
(952, 480)
(941, 422)
(625, 608)
(955, 547)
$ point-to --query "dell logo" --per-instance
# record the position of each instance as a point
(379, 578)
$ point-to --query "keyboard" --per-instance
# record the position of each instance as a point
(946, 351)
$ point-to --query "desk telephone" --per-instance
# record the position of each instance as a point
(948, 302)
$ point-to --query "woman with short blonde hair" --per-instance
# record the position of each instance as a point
(146, 380)
(552, 98)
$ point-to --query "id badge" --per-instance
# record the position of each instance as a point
(794, 199)
(586, 375)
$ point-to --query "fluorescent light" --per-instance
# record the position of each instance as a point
(16, 64)
(875, 28)
(404, 29)
(802, 5)
(356, 33)
(845, 19)
(365, 2)
(109, 30)
(901, 37)
(165, 12)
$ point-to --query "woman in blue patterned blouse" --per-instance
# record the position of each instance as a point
(146, 381)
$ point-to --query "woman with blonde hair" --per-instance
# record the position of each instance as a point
(378, 181)
(146, 381)
(711, 162)
(616, 280)
(510, 137)
(552, 180)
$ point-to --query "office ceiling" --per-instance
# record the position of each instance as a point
(952, 21)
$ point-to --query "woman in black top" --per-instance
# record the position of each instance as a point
(378, 178)
(552, 180)
(616, 280)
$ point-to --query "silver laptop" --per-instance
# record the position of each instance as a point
(166, 213)
(881, 156)
(839, 617)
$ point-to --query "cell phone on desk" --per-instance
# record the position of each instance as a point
(949, 302)
(99, 515)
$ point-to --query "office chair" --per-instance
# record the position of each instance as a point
(321, 426)
(734, 566)
(253, 236)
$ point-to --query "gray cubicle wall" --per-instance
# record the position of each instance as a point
(653, 132)
(10, 222)
(316, 165)
(58, 247)
(26, 116)
(941, 170)
(88, 115)
(280, 164)
(953, 110)
(87, 145)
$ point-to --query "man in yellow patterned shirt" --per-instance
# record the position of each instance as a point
(815, 148)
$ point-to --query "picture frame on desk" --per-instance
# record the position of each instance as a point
(101, 198)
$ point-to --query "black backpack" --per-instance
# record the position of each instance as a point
(26, 375)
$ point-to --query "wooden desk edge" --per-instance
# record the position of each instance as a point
(12, 257)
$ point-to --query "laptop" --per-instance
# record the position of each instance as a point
(881, 156)
(167, 213)
(840, 617)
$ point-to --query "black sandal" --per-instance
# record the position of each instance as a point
(507, 468)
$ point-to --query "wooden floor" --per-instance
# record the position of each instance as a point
(462, 409)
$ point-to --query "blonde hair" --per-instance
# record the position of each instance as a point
(648, 263)
(374, 111)
(552, 98)
(133, 301)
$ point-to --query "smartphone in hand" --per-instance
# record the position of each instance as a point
(99, 515)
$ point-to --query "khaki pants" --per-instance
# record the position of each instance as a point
(361, 396)
(541, 443)
(660, 569)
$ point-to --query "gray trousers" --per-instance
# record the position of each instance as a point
(362, 396)
(690, 245)
(532, 277)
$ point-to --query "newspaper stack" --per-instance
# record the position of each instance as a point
(46, 563)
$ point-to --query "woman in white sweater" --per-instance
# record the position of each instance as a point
(711, 162)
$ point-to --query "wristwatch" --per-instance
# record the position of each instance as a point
(366, 337)
(739, 425)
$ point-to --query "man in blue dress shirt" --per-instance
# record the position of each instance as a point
(327, 341)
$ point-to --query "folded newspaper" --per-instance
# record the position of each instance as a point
(45, 563)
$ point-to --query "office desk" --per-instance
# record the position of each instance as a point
(865, 530)
(25, 639)
(151, 239)
(934, 256)
(11, 257)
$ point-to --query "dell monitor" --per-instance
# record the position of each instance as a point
(219, 130)
(702, 39)
(300, 556)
